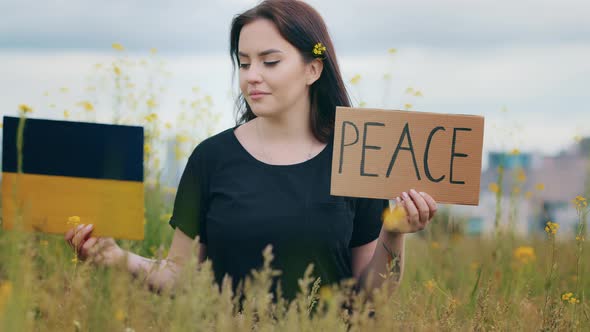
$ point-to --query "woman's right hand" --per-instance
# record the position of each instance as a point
(101, 251)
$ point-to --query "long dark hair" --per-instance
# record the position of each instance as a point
(302, 26)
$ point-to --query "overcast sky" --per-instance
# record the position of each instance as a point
(469, 56)
(356, 26)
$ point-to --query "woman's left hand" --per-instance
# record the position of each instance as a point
(412, 213)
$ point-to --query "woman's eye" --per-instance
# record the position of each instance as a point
(246, 65)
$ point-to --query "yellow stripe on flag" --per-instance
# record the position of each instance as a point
(45, 202)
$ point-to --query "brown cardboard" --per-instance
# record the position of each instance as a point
(363, 172)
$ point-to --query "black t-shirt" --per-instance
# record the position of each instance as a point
(238, 204)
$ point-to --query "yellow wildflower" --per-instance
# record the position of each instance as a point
(170, 190)
(569, 297)
(493, 187)
(516, 189)
(578, 138)
(151, 117)
(319, 49)
(430, 285)
(120, 315)
(407, 106)
(5, 292)
(168, 125)
(117, 70)
(355, 79)
(525, 254)
(25, 108)
(151, 103)
(182, 138)
(153, 50)
(520, 175)
(395, 219)
(118, 47)
(434, 245)
(540, 186)
(515, 152)
(580, 202)
(165, 217)
(410, 90)
(528, 195)
(551, 228)
(73, 220)
(579, 238)
(418, 94)
(391, 51)
(86, 105)
(66, 114)
(325, 293)
(362, 104)
(147, 148)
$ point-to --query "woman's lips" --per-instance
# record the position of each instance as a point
(256, 96)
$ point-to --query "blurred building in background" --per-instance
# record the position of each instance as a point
(533, 189)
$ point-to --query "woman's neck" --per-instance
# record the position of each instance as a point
(289, 128)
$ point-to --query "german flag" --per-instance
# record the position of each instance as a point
(90, 170)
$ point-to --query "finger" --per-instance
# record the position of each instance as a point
(77, 235)
(82, 235)
(69, 234)
(431, 203)
(411, 209)
(423, 209)
(86, 248)
(74, 232)
(401, 204)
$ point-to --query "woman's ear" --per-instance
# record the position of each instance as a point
(314, 70)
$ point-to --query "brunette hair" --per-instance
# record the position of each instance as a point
(303, 27)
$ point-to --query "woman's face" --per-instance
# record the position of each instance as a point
(273, 76)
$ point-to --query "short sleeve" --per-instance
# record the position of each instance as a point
(367, 220)
(190, 202)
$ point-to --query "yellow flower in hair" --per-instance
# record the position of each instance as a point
(318, 50)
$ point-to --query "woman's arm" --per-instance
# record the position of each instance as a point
(383, 259)
(379, 260)
(163, 274)
(159, 274)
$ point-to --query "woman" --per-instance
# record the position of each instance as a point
(267, 180)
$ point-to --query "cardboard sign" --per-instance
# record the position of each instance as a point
(89, 170)
(382, 153)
